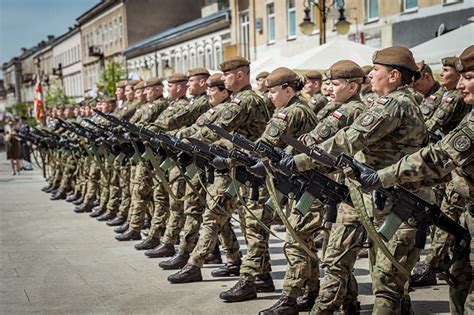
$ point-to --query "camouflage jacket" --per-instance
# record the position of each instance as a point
(431, 102)
(150, 111)
(293, 120)
(125, 110)
(317, 102)
(434, 163)
(448, 113)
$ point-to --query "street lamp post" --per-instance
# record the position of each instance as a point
(307, 26)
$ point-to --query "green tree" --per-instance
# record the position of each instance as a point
(113, 73)
(55, 94)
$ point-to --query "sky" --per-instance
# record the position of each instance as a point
(24, 23)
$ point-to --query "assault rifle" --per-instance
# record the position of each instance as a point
(407, 206)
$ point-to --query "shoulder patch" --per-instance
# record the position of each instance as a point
(201, 121)
(324, 131)
(370, 100)
(462, 143)
(382, 100)
(227, 114)
(281, 116)
(235, 100)
(440, 113)
(426, 109)
(313, 101)
(448, 99)
(367, 120)
(432, 98)
(338, 115)
(211, 110)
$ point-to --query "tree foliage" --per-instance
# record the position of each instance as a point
(113, 73)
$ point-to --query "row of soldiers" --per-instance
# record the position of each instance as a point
(377, 114)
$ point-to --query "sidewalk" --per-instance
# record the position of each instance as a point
(54, 261)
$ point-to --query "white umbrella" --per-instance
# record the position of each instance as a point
(446, 45)
(322, 57)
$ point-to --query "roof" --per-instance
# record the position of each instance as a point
(177, 30)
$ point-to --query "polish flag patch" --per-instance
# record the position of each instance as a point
(337, 114)
(281, 116)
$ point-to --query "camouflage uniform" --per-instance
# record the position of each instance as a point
(141, 181)
(384, 132)
(302, 270)
(317, 102)
(452, 154)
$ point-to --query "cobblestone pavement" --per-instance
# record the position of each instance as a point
(53, 261)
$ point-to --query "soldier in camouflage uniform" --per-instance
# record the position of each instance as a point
(313, 88)
(292, 117)
(302, 271)
(142, 185)
(139, 100)
(219, 208)
(448, 112)
(129, 106)
(388, 129)
(453, 154)
(179, 114)
(366, 93)
(263, 91)
(429, 88)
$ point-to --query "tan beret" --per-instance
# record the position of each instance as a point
(177, 78)
(109, 99)
(449, 62)
(215, 80)
(313, 75)
(367, 69)
(280, 76)
(132, 82)
(234, 63)
(262, 75)
(465, 62)
(153, 81)
(139, 85)
(198, 71)
(395, 56)
(344, 69)
(120, 84)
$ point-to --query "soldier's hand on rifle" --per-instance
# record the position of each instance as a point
(220, 163)
(379, 199)
(287, 162)
(258, 169)
(368, 177)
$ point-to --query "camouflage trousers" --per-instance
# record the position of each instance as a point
(80, 181)
(461, 297)
(339, 285)
(69, 169)
(57, 169)
(257, 260)
(302, 271)
(92, 187)
(193, 211)
(452, 205)
(125, 184)
(176, 212)
(106, 174)
(216, 224)
(113, 202)
(160, 215)
(141, 196)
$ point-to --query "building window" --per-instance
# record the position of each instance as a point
(451, 1)
(271, 23)
(208, 58)
(372, 10)
(120, 27)
(245, 35)
(291, 19)
(217, 56)
(410, 5)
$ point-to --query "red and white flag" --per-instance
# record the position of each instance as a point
(38, 102)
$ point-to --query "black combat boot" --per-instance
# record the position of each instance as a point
(73, 197)
(279, 228)
(118, 220)
(243, 290)
(82, 208)
(97, 212)
(178, 261)
(214, 258)
(96, 203)
(284, 306)
(189, 273)
(122, 228)
(78, 201)
(58, 196)
(306, 301)
(106, 216)
(46, 187)
(228, 270)
(148, 243)
(164, 250)
(423, 275)
(129, 235)
(264, 283)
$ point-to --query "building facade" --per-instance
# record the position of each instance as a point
(262, 28)
(198, 43)
(12, 81)
(67, 63)
(110, 26)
